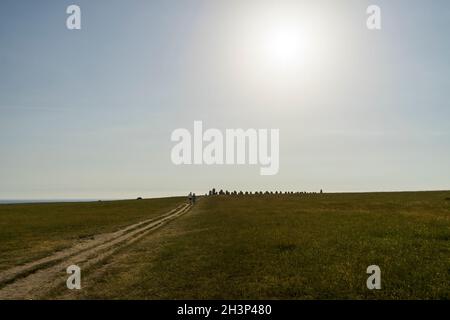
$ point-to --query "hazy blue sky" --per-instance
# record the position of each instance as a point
(89, 113)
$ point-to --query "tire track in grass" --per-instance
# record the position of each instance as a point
(38, 277)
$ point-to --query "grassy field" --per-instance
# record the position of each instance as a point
(31, 231)
(287, 247)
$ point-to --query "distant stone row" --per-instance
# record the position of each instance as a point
(214, 192)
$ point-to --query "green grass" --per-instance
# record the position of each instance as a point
(30, 231)
(288, 247)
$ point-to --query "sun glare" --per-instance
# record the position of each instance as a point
(284, 46)
(282, 49)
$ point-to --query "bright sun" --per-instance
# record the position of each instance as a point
(279, 44)
(285, 46)
(281, 49)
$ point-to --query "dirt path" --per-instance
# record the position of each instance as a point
(34, 279)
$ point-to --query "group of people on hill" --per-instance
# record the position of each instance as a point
(192, 198)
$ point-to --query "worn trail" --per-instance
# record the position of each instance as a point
(34, 279)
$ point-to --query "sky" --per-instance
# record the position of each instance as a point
(89, 113)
